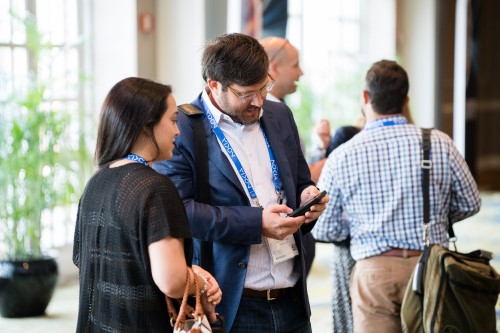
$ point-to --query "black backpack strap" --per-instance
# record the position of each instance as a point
(426, 166)
(195, 115)
(200, 150)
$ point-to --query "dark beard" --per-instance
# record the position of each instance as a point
(237, 115)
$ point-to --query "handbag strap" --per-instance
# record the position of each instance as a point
(175, 317)
(195, 115)
(178, 320)
(172, 313)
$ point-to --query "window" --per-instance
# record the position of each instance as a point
(58, 64)
(337, 41)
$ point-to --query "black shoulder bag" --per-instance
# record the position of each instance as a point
(201, 159)
(195, 115)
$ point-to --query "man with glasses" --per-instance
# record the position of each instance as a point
(284, 66)
(257, 174)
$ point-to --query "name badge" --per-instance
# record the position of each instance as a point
(282, 250)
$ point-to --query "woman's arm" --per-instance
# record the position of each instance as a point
(168, 266)
(169, 270)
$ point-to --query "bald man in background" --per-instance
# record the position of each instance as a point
(284, 67)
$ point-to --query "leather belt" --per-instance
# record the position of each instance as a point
(269, 294)
(403, 253)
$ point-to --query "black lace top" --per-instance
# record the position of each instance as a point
(121, 212)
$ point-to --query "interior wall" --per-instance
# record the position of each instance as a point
(180, 41)
(114, 45)
(416, 49)
(146, 38)
(216, 18)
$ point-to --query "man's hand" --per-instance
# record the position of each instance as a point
(278, 227)
(315, 210)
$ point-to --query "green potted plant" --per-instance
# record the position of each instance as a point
(38, 169)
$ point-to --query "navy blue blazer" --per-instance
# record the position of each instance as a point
(230, 222)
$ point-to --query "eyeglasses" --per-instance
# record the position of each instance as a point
(278, 51)
(250, 95)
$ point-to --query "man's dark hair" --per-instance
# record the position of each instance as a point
(234, 59)
(387, 85)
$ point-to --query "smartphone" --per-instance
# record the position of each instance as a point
(305, 207)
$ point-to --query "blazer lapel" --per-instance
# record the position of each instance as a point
(217, 157)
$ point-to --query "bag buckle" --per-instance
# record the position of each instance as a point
(417, 282)
(453, 242)
(426, 164)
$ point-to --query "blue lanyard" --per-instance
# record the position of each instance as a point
(231, 153)
(391, 121)
(136, 158)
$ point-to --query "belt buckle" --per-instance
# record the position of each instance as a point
(269, 298)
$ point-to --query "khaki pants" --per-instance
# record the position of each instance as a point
(377, 288)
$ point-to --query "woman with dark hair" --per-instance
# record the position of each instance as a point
(132, 240)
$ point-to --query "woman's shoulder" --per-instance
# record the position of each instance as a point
(136, 178)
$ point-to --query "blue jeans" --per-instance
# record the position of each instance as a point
(284, 315)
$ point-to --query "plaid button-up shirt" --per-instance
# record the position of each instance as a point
(375, 188)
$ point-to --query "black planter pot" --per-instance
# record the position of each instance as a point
(26, 287)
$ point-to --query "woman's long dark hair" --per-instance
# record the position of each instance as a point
(133, 105)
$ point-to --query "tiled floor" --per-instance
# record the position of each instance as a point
(480, 231)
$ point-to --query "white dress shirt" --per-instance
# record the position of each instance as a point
(249, 145)
(273, 98)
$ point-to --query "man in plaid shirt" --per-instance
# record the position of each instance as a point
(374, 184)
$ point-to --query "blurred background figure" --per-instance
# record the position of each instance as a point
(284, 67)
(326, 143)
(342, 262)
(321, 148)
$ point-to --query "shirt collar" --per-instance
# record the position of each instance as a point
(273, 98)
(379, 122)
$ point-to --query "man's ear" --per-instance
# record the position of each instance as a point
(366, 96)
(273, 69)
(213, 86)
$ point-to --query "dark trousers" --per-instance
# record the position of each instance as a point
(284, 315)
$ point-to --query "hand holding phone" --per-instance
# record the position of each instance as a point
(307, 206)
